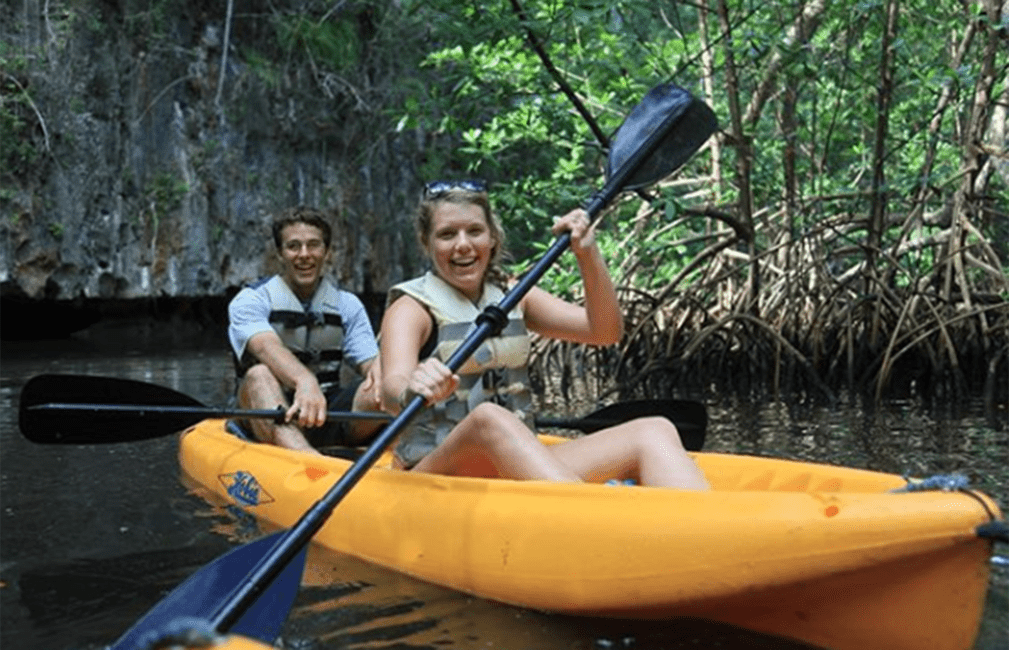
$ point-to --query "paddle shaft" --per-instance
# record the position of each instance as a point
(82, 409)
(488, 323)
(199, 412)
(591, 422)
(208, 412)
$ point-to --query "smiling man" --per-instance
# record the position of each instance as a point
(292, 332)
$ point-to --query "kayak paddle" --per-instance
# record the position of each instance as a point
(665, 129)
(690, 418)
(85, 409)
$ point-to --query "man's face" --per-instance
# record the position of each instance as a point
(303, 255)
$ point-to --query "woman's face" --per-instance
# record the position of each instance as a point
(461, 246)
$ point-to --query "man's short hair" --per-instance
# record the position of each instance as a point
(301, 214)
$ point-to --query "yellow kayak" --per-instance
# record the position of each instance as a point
(821, 554)
(235, 643)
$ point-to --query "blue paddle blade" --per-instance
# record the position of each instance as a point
(208, 592)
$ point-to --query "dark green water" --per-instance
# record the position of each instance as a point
(92, 536)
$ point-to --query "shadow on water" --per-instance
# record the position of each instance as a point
(93, 596)
(388, 612)
(348, 604)
(92, 536)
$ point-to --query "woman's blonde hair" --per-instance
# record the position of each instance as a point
(464, 196)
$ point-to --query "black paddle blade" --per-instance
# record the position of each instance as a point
(53, 426)
(695, 122)
(200, 596)
(690, 418)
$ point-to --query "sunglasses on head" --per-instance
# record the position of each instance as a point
(435, 189)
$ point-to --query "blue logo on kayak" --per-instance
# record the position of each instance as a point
(245, 489)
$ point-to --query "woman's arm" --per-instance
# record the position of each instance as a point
(599, 321)
(405, 327)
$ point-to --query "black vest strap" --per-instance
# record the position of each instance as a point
(313, 357)
(301, 319)
(328, 377)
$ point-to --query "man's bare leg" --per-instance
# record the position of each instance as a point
(367, 397)
(261, 390)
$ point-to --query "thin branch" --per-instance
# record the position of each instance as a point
(566, 88)
(224, 54)
(805, 24)
(162, 93)
(42, 122)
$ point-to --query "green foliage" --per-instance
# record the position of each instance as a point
(12, 60)
(525, 94)
(331, 43)
(507, 117)
(209, 151)
(147, 20)
(165, 193)
(493, 92)
(262, 67)
(19, 152)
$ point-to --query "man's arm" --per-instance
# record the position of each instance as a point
(309, 404)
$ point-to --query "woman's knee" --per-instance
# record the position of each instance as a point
(489, 413)
(493, 424)
(657, 431)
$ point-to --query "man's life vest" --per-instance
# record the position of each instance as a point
(496, 372)
(313, 333)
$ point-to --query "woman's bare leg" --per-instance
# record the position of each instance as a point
(648, 450)
(493, 437)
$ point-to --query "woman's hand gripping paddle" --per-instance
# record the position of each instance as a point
(667, 128)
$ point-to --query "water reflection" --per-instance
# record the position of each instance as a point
(349, 604)
(92, 536)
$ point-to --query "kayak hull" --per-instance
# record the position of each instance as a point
(237, 643)
(825, 555)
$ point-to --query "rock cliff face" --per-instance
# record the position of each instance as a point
(142, 162)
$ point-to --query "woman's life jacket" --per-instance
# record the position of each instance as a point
(496, 372)
(313, 333)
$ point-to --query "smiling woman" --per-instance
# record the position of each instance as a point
(482, 419)
(462, 247)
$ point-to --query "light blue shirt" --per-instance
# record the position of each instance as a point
(249, 314)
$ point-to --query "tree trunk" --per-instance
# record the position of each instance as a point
(744, 158)
(877, 212)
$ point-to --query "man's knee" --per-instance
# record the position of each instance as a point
(258, 386)
(258, 380)
(259, 374)
(367, 397)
